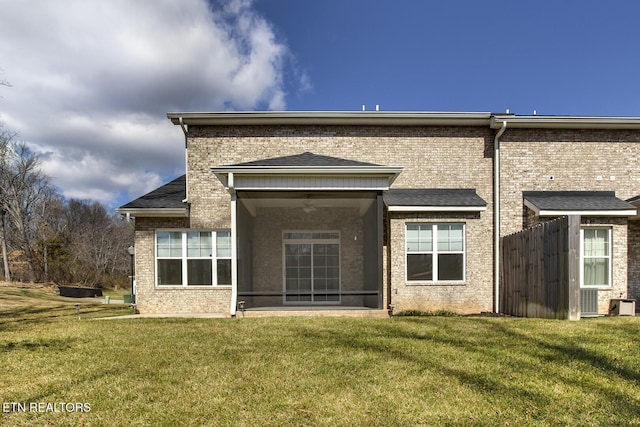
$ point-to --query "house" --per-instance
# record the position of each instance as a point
(372, 210)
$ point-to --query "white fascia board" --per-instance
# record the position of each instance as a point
(332, 189)
(394, 118)
(155, 212)
(436, 208)
(565, 122)
(622, 213)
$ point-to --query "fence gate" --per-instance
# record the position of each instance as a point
(540, 267)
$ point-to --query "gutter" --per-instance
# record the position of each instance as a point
(154, 212)
(565, 122)
(314, 118)
(496, 217)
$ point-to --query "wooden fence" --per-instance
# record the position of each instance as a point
(539, 274)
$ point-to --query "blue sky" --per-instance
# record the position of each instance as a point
(556, 57)
(91, 82)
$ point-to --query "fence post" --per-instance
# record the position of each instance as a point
(573, 266)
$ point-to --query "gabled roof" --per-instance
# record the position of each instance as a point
(304, 160)
(593, 203)
(434, 199)
(163, 201)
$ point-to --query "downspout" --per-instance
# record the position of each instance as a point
(496, 217)
(186, 164)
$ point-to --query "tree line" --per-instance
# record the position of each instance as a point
(45, 237)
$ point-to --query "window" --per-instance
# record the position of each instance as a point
(435, 252)
(595, 250)
(193, 258)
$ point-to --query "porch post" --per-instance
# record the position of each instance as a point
(380, 245)
(234, 255)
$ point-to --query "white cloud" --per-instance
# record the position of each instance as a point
(92, 82)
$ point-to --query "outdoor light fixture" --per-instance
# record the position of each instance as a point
(390, 310)
(241, 304)
(132, 251)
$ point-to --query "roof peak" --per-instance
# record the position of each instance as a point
(306, 158)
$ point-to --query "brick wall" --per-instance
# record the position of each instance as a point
(577, 160)
(633, 273)
(475, 295)
(574, 158)
(152, 299)
(432, 157)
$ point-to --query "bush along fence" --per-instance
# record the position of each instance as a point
(540, 270)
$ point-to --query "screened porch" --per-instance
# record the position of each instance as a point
(309, 249)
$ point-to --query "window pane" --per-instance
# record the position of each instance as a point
(169, 243)
(199, 272)
(164, 252)
(199, 244)
(419, 267)
(450, 237)
(333, 284)
(456, 237)
(224, 271)
(223, 244)
(596, 272)
(450, 267)
(419, 238)
(413, 246)
(169, 272)
(412, 232)
(596, 242)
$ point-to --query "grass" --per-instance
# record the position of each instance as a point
(314, 371)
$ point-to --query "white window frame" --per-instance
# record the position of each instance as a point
(435, 252)
(185, 258)
(609, 257)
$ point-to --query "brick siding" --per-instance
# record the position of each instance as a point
(432, 157)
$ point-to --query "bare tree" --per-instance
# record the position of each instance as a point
(98, 242)
(25, 188)
(5, 145)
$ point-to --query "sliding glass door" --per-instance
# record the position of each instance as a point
(311, 267)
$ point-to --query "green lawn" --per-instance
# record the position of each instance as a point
(313, 371)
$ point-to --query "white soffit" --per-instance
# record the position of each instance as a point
(436, 208)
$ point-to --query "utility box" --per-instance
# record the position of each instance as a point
(622, 307)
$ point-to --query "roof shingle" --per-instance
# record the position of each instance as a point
(576, 200)
(305, 159)
(170, 195)
(445, 197)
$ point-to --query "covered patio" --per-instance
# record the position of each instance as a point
(309, 232)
